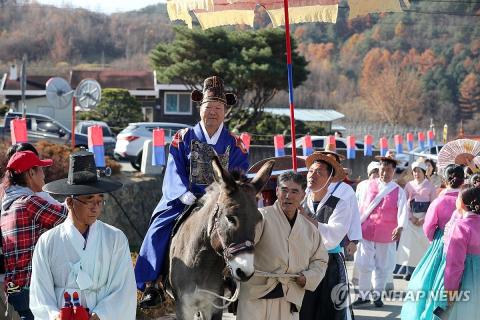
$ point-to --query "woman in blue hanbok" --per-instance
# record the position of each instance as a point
(423, 278)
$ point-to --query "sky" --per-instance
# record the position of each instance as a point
(104, 6)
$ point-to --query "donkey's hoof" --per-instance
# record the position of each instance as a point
(152, 298)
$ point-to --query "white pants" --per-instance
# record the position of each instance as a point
(378, 257)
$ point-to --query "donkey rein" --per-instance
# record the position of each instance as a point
(228, 300)
(275, 275)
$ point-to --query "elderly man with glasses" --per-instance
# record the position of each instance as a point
(83, 254)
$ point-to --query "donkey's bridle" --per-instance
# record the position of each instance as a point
(228, 252)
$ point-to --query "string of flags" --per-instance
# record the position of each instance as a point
(383, 146)
(410, 141)
(246, 138)
(19, 134)
(307, 145)
(96, 146)
(158, 143)
(421, 139)
(279, 144)
(368, 145)
(18, 130)
(351, 148)
(431, 138)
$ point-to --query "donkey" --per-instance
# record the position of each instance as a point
(219, 234)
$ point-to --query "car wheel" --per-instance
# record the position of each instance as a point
(137, 163)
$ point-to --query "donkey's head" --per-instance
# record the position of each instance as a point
(232, 226)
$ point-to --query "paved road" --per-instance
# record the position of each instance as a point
(126, 166)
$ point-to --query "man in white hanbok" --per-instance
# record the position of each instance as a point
(83, 254)
(331, 206)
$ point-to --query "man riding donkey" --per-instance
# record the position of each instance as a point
(188, 173)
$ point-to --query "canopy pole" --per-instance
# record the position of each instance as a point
(290, 85)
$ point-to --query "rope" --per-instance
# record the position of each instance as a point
(128, 218)
(275, 275)
(229, 300)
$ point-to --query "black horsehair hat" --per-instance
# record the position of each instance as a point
(83, 178)
(213, 90)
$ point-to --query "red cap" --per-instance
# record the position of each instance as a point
(25, 160)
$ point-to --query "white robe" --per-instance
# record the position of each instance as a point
(361, 192)
(102, 267)
(345, 191)
(340, 222)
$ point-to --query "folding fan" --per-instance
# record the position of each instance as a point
(461, 151)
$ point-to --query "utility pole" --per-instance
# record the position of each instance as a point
(23, 83)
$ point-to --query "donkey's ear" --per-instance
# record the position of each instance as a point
(263, 175)
(222, 176)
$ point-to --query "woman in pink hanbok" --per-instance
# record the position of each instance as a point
(462, 265)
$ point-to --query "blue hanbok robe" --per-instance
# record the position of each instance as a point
(176, 182)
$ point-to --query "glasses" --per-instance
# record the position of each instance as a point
(91, 203)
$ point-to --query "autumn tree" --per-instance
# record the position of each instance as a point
(60, 49)
(391, 92)
(469, 99)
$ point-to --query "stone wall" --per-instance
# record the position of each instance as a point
(138, 197)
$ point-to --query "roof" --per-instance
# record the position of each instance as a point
(308, 115)
(337, 127)
(138, 83)
(33, 83)
(129, 80)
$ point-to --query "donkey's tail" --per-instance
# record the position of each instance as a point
(226, 300)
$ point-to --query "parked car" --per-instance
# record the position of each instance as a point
(425, 152)
(109, 139)
(403, 161)
(131, 139)
(42, 127)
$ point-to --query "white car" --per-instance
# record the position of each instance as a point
(426, 152)
(403, 160)
(131, 139)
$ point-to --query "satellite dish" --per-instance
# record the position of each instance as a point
(88, 93)
(59, 93)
